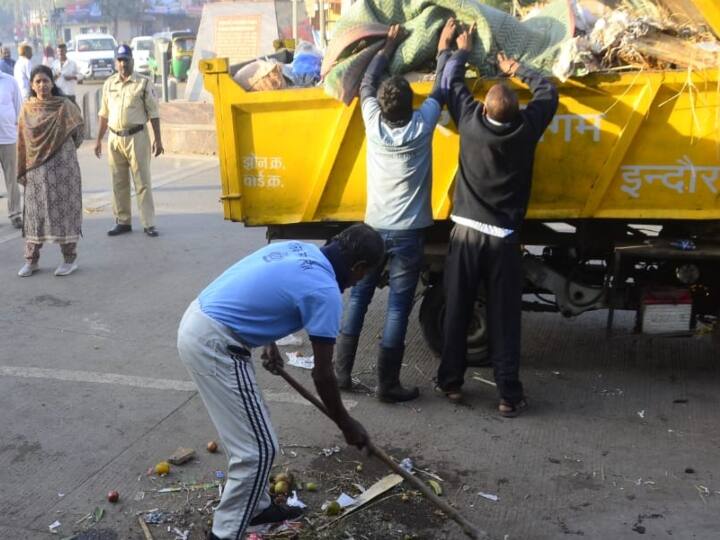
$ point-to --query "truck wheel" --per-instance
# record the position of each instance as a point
(432, 314)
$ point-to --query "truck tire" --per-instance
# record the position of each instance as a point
(432, 314)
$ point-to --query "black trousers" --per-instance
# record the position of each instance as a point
(476, 258)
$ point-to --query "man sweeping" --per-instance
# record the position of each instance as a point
(278, 290)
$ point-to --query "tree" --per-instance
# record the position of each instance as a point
(116, 10)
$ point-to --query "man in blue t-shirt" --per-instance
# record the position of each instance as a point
(399, 182)
(279, 289)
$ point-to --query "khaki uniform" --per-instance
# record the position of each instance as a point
(8, 164)
(127, 104)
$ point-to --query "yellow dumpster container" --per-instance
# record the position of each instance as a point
(637, 145)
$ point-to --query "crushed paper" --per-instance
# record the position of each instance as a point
(303, 362)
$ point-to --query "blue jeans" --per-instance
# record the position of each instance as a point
(404, 250)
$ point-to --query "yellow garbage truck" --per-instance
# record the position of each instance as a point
(625, 205)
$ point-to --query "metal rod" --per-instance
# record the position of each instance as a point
(294, 20)
(468, 528)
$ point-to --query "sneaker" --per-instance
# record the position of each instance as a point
(276, 513)
(28, 269)
(151, 231)
(65, 269)
(17, 222)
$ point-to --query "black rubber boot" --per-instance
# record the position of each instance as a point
(345, 350)
(388, 366)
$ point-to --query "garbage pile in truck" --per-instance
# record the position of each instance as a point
(564, 38)
(637, 34)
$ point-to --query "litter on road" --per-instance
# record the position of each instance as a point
(483, 380)
(157, 517)
(181, 455)
(436, 487)
(345, 500)
(303, 362)
(290, 341)
(489, 496)
(295, 501)
(188, 487)
(180, 535)
(327, 452)
(146, 532)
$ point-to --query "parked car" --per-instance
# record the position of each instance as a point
(143, 50)
(94, 54)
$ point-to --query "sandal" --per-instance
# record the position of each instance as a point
(455, 396)
(511, 410)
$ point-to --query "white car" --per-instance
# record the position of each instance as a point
(143, 49)
(94, 54)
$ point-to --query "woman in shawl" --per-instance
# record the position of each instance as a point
(50, 130)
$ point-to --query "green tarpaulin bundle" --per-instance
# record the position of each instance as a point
(360, 33)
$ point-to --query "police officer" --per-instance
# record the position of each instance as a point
(128, 102)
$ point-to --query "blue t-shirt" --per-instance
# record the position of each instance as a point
(276, 291)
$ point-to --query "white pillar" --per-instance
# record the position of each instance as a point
(323, 36)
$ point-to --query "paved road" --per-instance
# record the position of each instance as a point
(92, 393)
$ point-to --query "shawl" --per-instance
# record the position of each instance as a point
(44, 126)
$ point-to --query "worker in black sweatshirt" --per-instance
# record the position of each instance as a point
(492, 190)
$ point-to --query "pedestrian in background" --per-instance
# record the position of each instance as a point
(50, 131)
(66, 73)
(48, 56)
(22, 69)
(128, 102)
(7, 64)
(492, 191)
(10, 103)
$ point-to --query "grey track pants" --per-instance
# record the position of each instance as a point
(226, 383)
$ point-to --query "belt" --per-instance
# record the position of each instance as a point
(127, 132)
